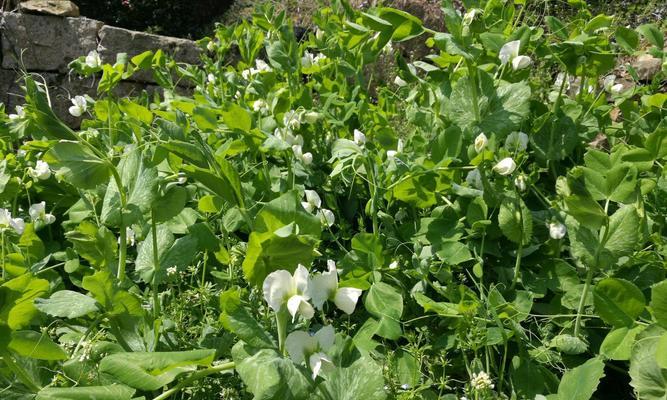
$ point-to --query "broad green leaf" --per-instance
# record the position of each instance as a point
(405, 25)
(581, 382)
(187, 151)
(135, 110)
(104, 288)
(618, 302)
(361, 380)
(214, 183)
(440, 308)
(556, 26)
(661, 352)
(269, 376)
(151, 371)
(237, 118)
(108, 392)
(206, 118)
(36, 345)
(554, 137)
(236, 319)
(284, 236)
(385, 302)
(18, 295)
(627, 39)
(67, 304)
(171, 253)
(515, 221)
(140, 185)
(647, 378)
(170, 204)
(40, 110)
(96, 245)
(659, 303)
(77, 165)
(653, 34)
(624, 231)
(617, 345)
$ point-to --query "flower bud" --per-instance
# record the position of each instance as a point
(557, 230)
(521, 62)
(359, 137)
(480, 142)
(505, 166)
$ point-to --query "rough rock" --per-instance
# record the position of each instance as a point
(60, 8)
(50, 42)
(647, 66)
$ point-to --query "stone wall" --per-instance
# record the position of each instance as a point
(45, 45)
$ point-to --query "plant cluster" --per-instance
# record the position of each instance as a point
(488, 225)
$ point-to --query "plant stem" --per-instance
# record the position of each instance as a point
(156, 266)
(281, 326)
(517, 265)
(194, 377)
(582, 301)
(122, 252)
(21, 373)
(2, 240)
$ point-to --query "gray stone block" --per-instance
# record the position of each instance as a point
(45, 43)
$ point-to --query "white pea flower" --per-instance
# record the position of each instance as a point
(210, 78)
(313, 201)
(292, 119)
(20, 153)
(281, 288)
(520, 183)
(247, 73)
(521, 62)
(307, 60)
(42, 171)
(391, 154)
(470, 15)
(20, 113)
(505, 166)
(480, 142)
(38, 212)
(80, 105)
(307, 158)
(302, 346)
(481, 381)
(262, 66)
(516, 141)
(327, 217)
(474, 179)
(557, 230)
(359, 137)
(509, 51)
(6, 221)
(319, 34)
(400, 145)
(393, 265)
(609, 82)
(617, 89)
(324, 286)
(93, 59)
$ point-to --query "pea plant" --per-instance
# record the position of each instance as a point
(289, 220)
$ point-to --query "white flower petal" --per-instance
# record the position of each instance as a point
(319, 362)
(480, 142)
(327, 217)
(509, 51)
(325, 337)
(298, 343)
(346, 299)
(322, 288)
(521, 62)
(505, 166)
(307, 158)
(301, 280)
(18, 225)
(277, 286)
(298, 304)
(313, 198)
(359, 137)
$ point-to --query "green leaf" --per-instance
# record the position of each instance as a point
(151, 371)
(361, 380)
(405, 25)
(187, 151)
(556, 26)
(581, 382)
(40, 111)
(624, 231)
(236, 319)
(67, 304)
(648, 379)
(135, 110)
(653, 34)
(237, 118)
(108, 392)
(618, 302)
(284, 236)
(627, 39)
(385, 302)
(36, 345)
(17, 295)
(170, 204)
(515, 221)
(206, 118)
(140, 184)
(269, 376)
(659, 303)
(617, 345)
(104, 288)
(171, 253)
(77, 165)
(216, 184)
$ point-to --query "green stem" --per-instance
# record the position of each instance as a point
(156, 266)
(582, 301)
(122, 252)
(281, 326)
(21, 373)
(517, 264)
(195, 377)
(2, 240)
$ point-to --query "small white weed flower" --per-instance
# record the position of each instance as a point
(171, 271)
(481, 381)
(520, 183)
